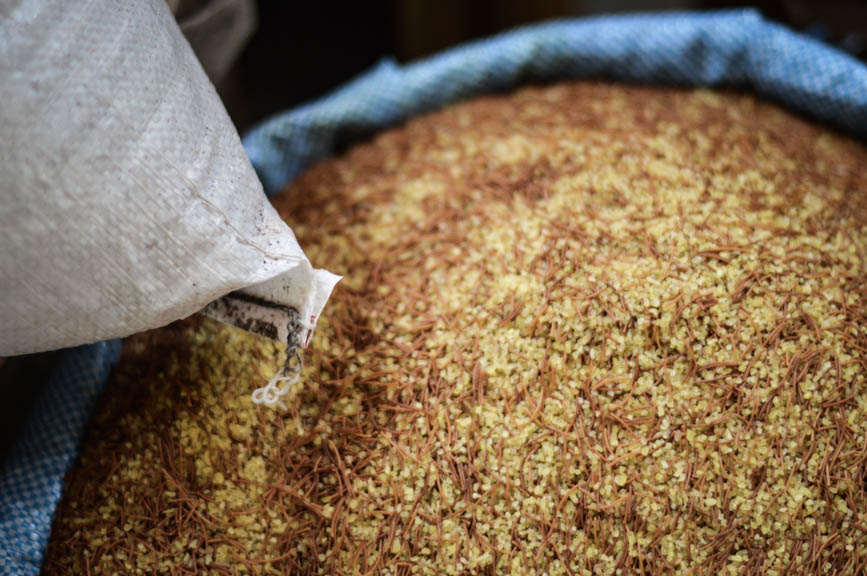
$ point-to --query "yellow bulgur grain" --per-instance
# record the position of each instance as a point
(585, 329)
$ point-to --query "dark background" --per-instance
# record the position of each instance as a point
(301, 50)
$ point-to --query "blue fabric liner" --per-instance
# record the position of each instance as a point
(731, 48)
(32, 476)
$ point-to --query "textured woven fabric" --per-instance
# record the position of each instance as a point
(710, 49)
(736, 48)
(32, 476)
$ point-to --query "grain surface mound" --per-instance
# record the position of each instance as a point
(584, 329)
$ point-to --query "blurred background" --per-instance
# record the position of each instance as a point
(266, 56)
(299, 51)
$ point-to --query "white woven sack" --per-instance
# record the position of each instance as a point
(127, 199)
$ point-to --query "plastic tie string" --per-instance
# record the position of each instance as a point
(272, 393)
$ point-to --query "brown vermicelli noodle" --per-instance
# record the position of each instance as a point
(584, 329)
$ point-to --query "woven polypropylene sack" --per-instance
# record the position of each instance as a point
(128, 200)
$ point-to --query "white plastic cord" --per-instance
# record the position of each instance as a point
(271, 394)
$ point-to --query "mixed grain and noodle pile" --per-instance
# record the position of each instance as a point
(584, 329)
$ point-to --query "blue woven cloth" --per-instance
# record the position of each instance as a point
(709, 49)
(32, 475)
(736, 48)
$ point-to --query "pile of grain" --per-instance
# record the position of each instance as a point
(584, 329)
